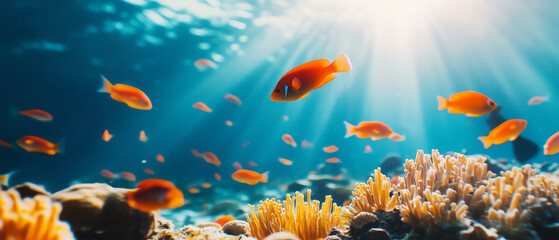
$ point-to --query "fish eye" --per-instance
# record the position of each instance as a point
(278, 90)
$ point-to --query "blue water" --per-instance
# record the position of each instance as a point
(403, 57)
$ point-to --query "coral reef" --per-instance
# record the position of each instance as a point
(165, 230)
(31, 218)
(98, 211)
(306, 220)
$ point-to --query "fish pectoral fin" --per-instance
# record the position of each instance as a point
(296, 83)
(326, 80)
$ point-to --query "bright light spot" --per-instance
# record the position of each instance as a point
(217, 57)
(204, 46)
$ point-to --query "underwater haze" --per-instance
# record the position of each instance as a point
(403, 55)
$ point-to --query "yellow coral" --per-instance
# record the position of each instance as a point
(31, 219)
(308, 220)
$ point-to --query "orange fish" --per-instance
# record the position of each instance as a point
(128, 176)
(5, 144)
(337, 177)
(143, 136)
(193, 190)
(237, 165)
(39, 145)
(217, 176)
(203, 64)
(207, 156)
(507, 131)
(155, 194)
(394, 180)
(537, 100)
(368, 149)
(252, 164)
(224, 219)
(106, 136)
(108, 174)
(160, 158)
(148, 171)
(373, 130)
(233, 99)
(346, 202)
(330, 149)
(201, 106)
(551, 145)
(306, 144)
(206, 185)
(289, 140)
(285, 161)
(396, 137)
(37, 114)
(333, 160)
(471, 103)
(249, 177)
(132, 96)
(228, 123)
(300, 81)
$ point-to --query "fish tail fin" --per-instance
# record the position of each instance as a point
(61, 146)
(443, 103)
(107, 86)
(341, 64)
(486, 142)
(14, 112)
(349, 129)
(265, 177)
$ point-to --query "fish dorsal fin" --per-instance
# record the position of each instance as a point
(296, 83)
(124, 87)
(312, 64)
(326, 80)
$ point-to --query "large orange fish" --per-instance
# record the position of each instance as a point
(373, 130)
(155, 194)
(471, 103)
(37, 114)
(551, 145)
(507, 131)
(132, 96)
(249, 177)
(300, 81)
(39, 145)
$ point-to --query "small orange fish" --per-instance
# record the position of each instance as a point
(148, 171)
(330, 149)
(5, 144)
(507, 131)
(551, 145)
(285, 161)
(471, 103)
(300, 81)
(368, 149)
(284, 187)
(224, 219)
(249, 177)
(203, 64)
(233, 99)
(193, 190)
(209, 157)
(337, 177)
(289, 140)
(155, 194)
(228, 123)
(108, 174)
(160, 158)
(37, 114)
(396, 137)
(252, 164)
(143, 136)
(39, 145)
(346, 202)
(201, 106)
(373, 130)
(217, 176)
(206, 185)
(132, 96)
(333, 160)
(394, 180)
(537, 100)
(106, 136)
(306, 144)
(237, 165)
(128, 176)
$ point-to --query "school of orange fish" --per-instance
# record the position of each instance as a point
(155, 194)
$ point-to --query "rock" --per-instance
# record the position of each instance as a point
(377, 234)
(236, 227)
(98, 211)
(361, 223)
(281, 236)
(30, 190)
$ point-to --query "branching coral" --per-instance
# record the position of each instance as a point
(308, 220)
(31, 219)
